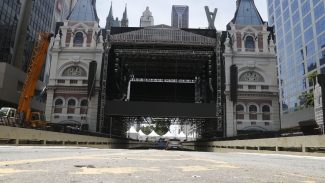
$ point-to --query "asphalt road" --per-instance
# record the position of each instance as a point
(75, 165)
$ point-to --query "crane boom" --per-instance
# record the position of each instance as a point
(33, 73)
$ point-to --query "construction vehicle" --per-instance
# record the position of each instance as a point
(25, 117)
(8, 116)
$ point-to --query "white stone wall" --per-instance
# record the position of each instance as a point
(318, 105)
(257, 92)
(69, 73)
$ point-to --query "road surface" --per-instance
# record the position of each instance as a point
(49, 164)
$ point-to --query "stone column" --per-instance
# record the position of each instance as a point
(275, 113)
(71, 39)
(92, 112)
(49, 104)
(256, 43)
(230, 122)
(53, 69)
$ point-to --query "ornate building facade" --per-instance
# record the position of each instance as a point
(73, 89)
(250, 73)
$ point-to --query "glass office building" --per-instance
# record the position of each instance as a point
(40, 21)
(16, 15)
(300, 39)
(20, 23)
(9, 13)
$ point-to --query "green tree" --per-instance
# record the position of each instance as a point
(312, 77)
(162, 125)
(146, 130)
(307, 98)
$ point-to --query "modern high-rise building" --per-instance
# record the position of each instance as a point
(180, 16)
(9, 15)
(20, 21)
(35, 17)
(300, 40)
(146, 19)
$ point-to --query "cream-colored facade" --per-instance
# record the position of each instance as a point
(250, 47)
(79, 44)
(257, 106)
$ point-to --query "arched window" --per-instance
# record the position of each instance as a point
(71, 106)
(266, 112)
(72, 103)
(240, 111)
(250, 43)
(58, 104)
(265, 108)
(84, 103)
(252, 112)
(78, 39)
(83, 106)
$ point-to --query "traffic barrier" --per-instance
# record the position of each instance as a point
(23, 136)
(314, 143)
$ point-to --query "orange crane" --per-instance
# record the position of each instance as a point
(26, 116)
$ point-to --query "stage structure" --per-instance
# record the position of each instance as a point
(162, 71)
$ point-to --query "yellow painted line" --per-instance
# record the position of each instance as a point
(194, 168)
(210, 161)
(86, 157)
(119, 170)
(280, 176)
(13, 171)
(204, 168)
(304, 176)
(308, 181)
(171, 159)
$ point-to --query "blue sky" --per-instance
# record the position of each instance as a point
(161, 10)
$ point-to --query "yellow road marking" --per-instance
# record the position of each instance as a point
(304, 176)
(194, 168)
(18, 162)
(204, 168)
(280, 176)
(12, 171)
(121, 170)
(308, 181)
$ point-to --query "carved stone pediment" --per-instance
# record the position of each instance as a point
(251, 76)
